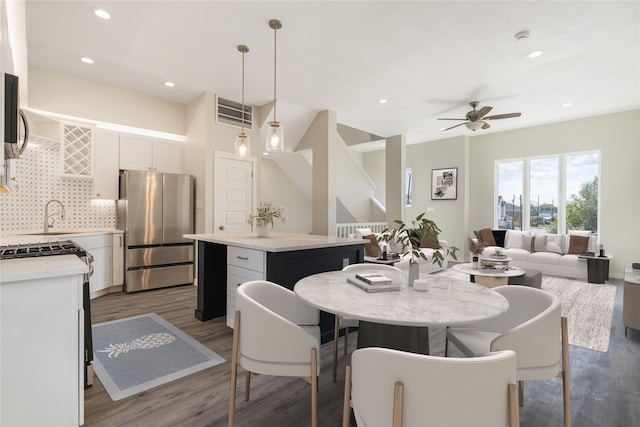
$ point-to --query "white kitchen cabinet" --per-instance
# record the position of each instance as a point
(101, 247)
(42, 341)
(76, 150)
(139, 152)
(243, 265)
(106, 164)
(118, 259)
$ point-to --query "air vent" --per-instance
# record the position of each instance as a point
(230, 113)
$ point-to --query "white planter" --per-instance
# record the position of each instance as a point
(263, 230)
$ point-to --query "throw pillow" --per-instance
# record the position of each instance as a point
(362, 232)
(554, 243)
(539, 243)
(486, 237)
(499, 236)
(372, 248)
(513, 239)
(577, 244)
(527, 241)
(430, 240)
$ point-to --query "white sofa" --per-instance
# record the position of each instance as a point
(550, 255)
(426, 266)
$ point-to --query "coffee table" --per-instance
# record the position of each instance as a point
(489, 277)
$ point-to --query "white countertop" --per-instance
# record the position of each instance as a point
(447, 301)
(25, 237)
(21, 269)
(276, 242)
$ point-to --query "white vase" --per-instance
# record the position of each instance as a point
(414, 272)
(263, 230)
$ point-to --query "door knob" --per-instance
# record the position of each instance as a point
(221, 227)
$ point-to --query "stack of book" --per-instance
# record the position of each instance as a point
(373, 282)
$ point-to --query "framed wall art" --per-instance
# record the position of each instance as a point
(444, 184)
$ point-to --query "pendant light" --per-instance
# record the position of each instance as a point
(275, 131)
(242, 143)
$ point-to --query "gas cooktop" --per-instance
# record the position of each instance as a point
(66, 247)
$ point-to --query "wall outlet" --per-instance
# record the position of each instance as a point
(431, 209)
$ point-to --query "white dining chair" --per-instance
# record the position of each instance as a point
(533, 327)
(345, 323)
(275, 333)
(387, 387)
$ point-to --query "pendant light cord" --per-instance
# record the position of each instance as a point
(243, 52)
(275, 51)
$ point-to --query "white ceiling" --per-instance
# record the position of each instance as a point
(429, 59)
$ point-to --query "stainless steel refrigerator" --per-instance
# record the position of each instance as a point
(155, 210)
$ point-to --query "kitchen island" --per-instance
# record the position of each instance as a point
(226, 261)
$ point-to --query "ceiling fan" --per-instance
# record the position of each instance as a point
(477, 119)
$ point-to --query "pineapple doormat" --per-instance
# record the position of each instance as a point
(138, 353)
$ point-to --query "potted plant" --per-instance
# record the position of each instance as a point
(476, 247)
(266, 212)
(410, 237)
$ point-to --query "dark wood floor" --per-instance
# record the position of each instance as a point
(605, 387)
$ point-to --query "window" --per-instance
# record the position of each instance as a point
(553, 193)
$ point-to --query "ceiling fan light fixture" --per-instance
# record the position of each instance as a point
(474, 126)
(275, 130)
(242, 144)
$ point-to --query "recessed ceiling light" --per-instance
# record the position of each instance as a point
(86, 60)
(169, 84)
(101, 13)
(382, 101)
(522, 35)
(567, 104)
(534, 54)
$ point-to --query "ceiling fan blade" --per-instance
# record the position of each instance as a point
(454, 126)
(503, 116)
(485, 125)
(452, 119)
(483, 111)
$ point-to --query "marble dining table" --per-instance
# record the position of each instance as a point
(400, 319)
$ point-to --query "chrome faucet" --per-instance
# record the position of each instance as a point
(47, 215)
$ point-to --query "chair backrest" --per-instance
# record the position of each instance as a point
(276, 326)
(532, 328)
(437, 391)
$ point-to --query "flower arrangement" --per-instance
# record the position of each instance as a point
(410, 236)
(476, 247)
(266, 212)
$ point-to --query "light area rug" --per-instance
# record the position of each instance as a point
(138, 353)
(588, 308)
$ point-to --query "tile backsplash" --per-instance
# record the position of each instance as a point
(38, 181)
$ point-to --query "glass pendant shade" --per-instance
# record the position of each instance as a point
(242, 145)
(275, 137)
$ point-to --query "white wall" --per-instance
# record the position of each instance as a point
(276, 187)
(63, 94)
(373, 163)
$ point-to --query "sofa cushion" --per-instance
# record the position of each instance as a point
(545, 258)
(539, 243)
(517, 254)
(513, 239)
(486, 237)
(527, 241)
(578, 244)
(554, 243)
(362, 232)
(499, 236)
(430, 240)
(570, 261)
(371, 248)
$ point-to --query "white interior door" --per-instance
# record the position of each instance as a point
(234, 193)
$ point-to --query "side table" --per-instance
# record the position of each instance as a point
(631, 299)
(597, 268)
(376, 260)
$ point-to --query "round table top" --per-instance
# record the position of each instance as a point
(446, 302)
(508, 271)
